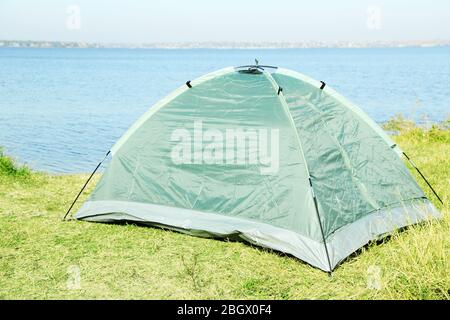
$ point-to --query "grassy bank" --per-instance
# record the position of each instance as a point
(37, 250)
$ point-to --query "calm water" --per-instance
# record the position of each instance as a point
(62, 109)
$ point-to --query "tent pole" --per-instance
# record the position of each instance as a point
(286, 108)
(85, 184)
(321, 228)
(423, 177)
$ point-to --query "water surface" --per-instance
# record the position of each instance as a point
(62, 109)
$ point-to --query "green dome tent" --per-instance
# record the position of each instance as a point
(262, 154)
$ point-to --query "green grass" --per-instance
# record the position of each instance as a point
(9, 168)
(124, 261)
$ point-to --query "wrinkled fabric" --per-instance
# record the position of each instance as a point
(142, 169)
(353, 170)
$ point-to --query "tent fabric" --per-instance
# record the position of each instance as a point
(338, 181)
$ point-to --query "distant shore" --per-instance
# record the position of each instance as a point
(226, 45)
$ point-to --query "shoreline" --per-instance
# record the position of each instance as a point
(227, 45)
(396, 127)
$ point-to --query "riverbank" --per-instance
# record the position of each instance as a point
(42, 257)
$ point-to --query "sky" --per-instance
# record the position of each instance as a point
(144, 21)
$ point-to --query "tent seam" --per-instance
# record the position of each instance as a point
(193, 209)
(386, 207)
(347, 103)
(302, 154)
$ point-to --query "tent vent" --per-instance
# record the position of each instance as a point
(251, 70)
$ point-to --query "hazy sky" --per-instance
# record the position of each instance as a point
(136, 21)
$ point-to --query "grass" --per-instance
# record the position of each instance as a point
(9, 168)
(40, 255)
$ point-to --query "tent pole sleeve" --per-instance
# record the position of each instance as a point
(302, 154)
(423, 177)
(85, 184)
(320, 225)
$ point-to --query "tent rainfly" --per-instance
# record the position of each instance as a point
(261, 154)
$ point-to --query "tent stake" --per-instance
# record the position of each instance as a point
(423, 177)
(85, 184)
